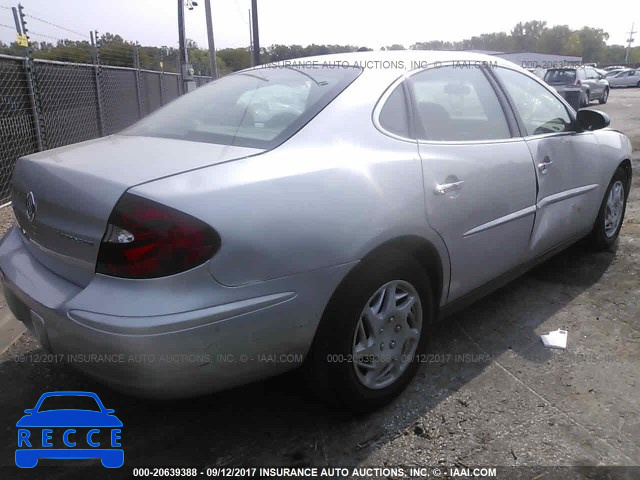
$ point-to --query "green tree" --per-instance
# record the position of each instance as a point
(433, 45)
(592, 44)
(235, 58)
(554, 40)
(526, 35)
(499, 42)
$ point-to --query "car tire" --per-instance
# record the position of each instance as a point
(611, 214)
(605, 96)
(331, 369)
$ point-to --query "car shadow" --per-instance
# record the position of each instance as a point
(278, 422)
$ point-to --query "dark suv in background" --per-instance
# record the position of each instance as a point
(578, 85)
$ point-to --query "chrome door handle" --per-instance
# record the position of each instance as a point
(445, 188)
(544, 165)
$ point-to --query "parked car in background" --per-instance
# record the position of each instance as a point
(591, 84)
(220, 228)
(614, 72)
(627, 78)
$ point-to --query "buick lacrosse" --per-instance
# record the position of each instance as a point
(320, 214)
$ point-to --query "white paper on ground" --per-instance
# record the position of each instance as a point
(555, 339)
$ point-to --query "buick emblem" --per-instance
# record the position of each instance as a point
(32, 206)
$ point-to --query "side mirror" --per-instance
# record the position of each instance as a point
(109, 411)
(29, 411)
(592, 119)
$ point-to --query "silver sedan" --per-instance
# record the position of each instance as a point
(626, 78)
(319, 213)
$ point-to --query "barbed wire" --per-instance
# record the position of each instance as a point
(57, 26)
(8, 26)
(44, 35)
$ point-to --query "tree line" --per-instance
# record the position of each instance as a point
(532, 36)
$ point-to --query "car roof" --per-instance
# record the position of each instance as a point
(397, 56)
(69, 393)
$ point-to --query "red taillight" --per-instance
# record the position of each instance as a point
(145, 239)
(578, 83)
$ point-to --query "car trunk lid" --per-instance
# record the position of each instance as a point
(62, 198)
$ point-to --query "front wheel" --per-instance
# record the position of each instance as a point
(605, 96)
(367, 346)
(609, 222)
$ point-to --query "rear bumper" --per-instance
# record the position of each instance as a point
(571, 94)
(241, 334)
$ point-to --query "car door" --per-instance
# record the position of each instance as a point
(479, 180)
(633, 80)
(622, 79)
(596, 87)
(566, 162)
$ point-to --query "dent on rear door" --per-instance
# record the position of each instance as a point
(487, 224)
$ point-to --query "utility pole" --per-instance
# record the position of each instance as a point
(186, 71)
(16, 19)
(212, 47)
(250, 37)
(182, 41)
(629, 42)
(256, 37)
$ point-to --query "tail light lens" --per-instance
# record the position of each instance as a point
(145, 239)
(578, 83)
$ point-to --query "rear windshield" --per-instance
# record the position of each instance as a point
(258, 108)
(564, 77)
(66, 402)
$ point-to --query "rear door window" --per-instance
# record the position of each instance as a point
(457, 104)
(591, 74)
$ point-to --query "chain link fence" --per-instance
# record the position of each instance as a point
(46, 104)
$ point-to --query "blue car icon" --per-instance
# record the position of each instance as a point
(78, 422)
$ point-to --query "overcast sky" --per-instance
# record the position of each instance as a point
(357, 22)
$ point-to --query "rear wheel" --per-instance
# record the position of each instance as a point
(605, 96)
(611, 214)
(365, 351)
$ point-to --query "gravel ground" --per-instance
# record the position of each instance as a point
(491, 394)
(6, 219)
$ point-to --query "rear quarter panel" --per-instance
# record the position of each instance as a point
(328, 196)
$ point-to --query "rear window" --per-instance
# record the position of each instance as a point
(258, 108)
(66, 402)
(560, 77)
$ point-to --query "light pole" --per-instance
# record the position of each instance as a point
(629, 42)
(212, 47)
(186, 70)
(256, 37)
